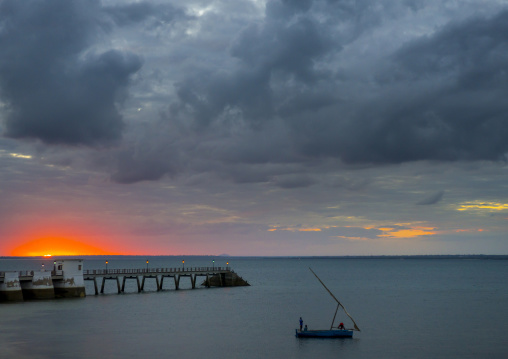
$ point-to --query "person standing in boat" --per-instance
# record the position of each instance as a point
(341, 326)
(301, 323)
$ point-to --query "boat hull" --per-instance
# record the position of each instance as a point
(324, 333)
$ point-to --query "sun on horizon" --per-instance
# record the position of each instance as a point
(57, 246)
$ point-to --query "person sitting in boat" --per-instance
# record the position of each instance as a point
(341, 326)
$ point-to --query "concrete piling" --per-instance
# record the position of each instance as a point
(10, 288)
(69, 282)
(131, 277)
(40, 287)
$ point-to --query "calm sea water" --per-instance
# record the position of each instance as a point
(405, 308)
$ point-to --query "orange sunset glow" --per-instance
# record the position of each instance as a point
(406, 233)
(55, 246)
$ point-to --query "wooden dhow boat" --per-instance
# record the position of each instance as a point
(338, 332)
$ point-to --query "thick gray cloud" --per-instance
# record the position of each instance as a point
(154, 15)
(55, 88)
(432, 199)
(282, 50)
(294, 181)
(434, 97)
(439, 97)
(443, 99)
(149, 158)
(257, 95)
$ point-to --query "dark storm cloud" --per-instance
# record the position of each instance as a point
(294, 181)
(311, 81)
(134, 167)
(443, 99)
(247, 90)
(438, 97)
(283, 49)
(432, 199)
(155, 15)
(289, 48)
(55, 90)
(156, 151)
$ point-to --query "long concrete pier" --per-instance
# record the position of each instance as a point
(224, 275)
(67, 279)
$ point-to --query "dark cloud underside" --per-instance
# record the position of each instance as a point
(278, 90)
(154, 15)
(444, 98)
(54, 89)
(439, 97)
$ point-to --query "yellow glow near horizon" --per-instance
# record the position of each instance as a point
(397, 231)
(480, 205)
(56, 246)
(19, 155)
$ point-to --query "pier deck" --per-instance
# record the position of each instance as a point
(68, 276)
(223, 273)
(156, 273)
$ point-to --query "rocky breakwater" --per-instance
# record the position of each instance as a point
(230, 279)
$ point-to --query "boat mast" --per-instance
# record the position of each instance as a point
(339, 303)
(333, 320)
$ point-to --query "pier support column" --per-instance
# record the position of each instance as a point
(116, 278)
(10, 288)
(72, 283)
(207, 280)
(177, 281)
(193, 281)
(95, 286)
(150, 276)
(40, 287)
(130, 277)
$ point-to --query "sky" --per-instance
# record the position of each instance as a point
(253, 127)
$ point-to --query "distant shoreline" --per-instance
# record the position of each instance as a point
(430, 256)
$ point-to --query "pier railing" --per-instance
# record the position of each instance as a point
(130, 271)
(27, 273)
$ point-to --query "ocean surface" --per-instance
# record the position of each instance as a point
(406, 307)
